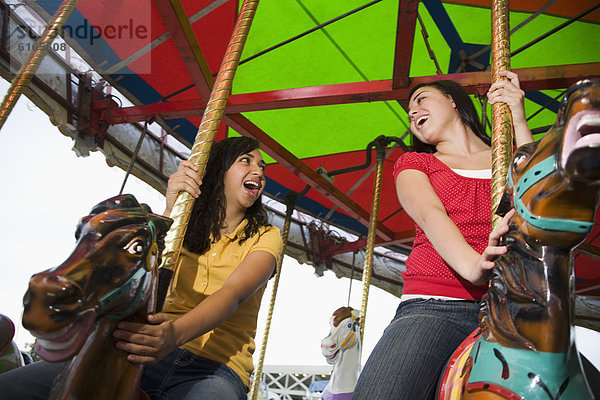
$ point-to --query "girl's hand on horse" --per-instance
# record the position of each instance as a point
(185, 179)
(493, 250)
(146, 343)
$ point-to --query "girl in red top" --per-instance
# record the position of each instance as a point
(445, 188)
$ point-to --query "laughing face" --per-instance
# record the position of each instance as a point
(430, 112)
(245, 180)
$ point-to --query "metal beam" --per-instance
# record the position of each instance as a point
(589, 250)
(179, 26)
(587, 286)
(399, 237)
(187, 45)
(405, 33)
(536, 78)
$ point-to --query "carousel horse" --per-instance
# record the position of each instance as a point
(525, 347)
(10, 355)
(73, 309)
(341, 349)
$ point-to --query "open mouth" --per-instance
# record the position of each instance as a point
(252, 188)
(331, 358)
(64, 343)
(582, 130)
(421, 121)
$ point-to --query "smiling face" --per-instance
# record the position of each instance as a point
(430, 112)
(245, 180)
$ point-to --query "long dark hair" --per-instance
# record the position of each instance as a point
(209, 209)
(464, 107)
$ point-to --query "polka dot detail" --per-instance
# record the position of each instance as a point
(467, 201)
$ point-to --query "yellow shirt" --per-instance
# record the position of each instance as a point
(198, 276)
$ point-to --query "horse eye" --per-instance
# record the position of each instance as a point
(135, 247)
(518, 159)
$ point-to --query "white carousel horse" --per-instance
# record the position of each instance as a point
(341, 349)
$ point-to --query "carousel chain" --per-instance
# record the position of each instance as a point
(351, 277)
(134, 156)
(290, 198)
(368, 266)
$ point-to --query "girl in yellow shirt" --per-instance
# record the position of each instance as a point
(200, 346)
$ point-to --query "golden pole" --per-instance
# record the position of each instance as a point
(501, 116)
(182, 208)
(255, 389)
(368, 268)
(30, 66)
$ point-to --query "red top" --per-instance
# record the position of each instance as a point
(468, 203)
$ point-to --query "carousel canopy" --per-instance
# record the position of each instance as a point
(318, 82)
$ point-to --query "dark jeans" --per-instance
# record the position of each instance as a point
(184, 375)
(180, 375)
(408, 359)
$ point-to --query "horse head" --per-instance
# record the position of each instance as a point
(343, 334)
(555, 181)
(341, 349)
(554, 185)
(110, 274)
(525, 347)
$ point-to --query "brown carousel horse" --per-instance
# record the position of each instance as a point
(525, 348)
(73, 309)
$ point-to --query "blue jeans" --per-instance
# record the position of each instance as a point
(184, 375)
(180, 375)
(408, 359)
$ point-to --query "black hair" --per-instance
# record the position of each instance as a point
(208, 214)
(464, 106)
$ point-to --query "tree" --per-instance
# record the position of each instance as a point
(30, 349)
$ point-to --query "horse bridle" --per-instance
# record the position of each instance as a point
(526, 182)
(140, 279)
(351, 337)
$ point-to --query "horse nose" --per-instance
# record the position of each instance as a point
(55, 291)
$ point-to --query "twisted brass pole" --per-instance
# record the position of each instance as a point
(206, 132)
(33, 61)
(254, 390)
(368, 268)
(501, 115)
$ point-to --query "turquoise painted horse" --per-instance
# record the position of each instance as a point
(525, 347)
(72, 309)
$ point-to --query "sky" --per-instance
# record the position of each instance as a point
(46, 189)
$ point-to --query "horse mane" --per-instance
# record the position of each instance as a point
(125, 210)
